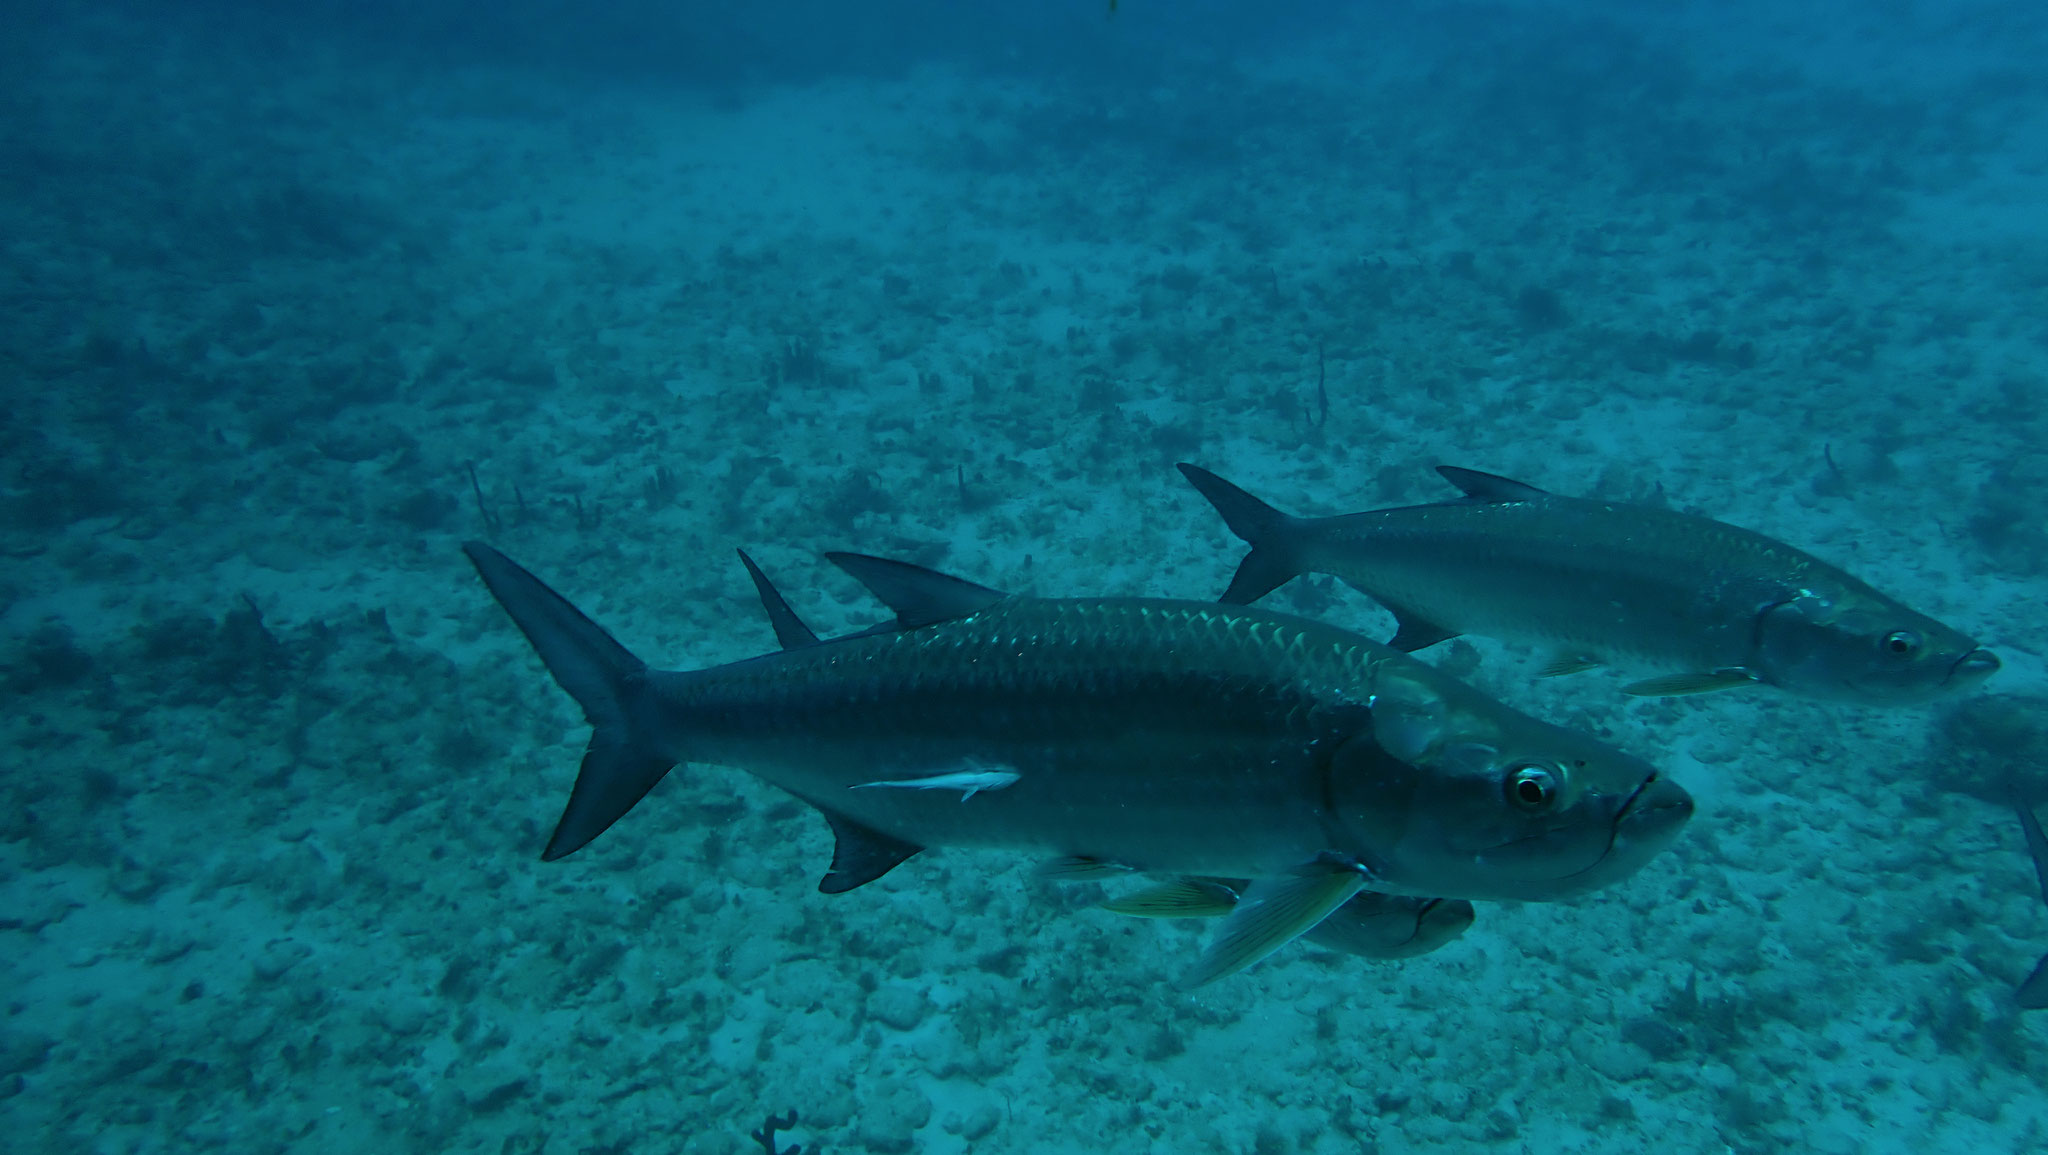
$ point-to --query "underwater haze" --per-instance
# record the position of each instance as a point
(298, 298)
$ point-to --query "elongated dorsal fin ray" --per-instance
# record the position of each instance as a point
(860, 855)
(920, 596)
(1489, 486)
(790, 630)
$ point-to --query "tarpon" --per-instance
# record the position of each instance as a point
(1704, 605)
(1163, 736)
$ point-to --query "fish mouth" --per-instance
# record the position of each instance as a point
(1642, 825)
(1966, 671)
(1974, 667)
(1651, 817)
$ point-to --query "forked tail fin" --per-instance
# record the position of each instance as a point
(1272, 563)
(625, 757)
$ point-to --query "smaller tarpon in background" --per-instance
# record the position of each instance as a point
(1702, 605)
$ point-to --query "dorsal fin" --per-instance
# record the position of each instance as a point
(790, 630)
(919, 596)
(1489, 486)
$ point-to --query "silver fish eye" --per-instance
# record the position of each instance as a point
(1532, 787)
(1902, 643)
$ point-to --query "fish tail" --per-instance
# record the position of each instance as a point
(626, 756)
(1274, 558)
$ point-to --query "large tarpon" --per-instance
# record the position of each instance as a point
(1707, 606)
(1182, 738)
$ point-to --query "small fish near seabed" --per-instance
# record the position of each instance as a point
(2032, 994)
(1706, 605)
(1169, 737)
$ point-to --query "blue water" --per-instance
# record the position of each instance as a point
(293, 304)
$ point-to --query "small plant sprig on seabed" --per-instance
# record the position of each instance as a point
(492, 522)
(490, 516)
(766, 1135)
(1321, 416)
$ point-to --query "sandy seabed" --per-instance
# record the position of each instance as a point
(280, 332)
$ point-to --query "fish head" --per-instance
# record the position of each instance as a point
(1454, 794)
(1860, 646)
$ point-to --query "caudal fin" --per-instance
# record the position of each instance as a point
(1271, 534)
(624, 759)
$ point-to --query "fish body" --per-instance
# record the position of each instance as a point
(1703, 604)
(1166, 736)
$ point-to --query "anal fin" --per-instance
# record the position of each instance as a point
(1414, 632)
(860, 855)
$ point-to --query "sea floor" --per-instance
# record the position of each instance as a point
(281, 330)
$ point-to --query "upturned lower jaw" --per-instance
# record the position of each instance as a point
(1656, 811)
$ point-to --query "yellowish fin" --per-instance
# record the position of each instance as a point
(1699, 682)
(1181, 898)
(1081, 868)
(1273, 913)
(1564, 664)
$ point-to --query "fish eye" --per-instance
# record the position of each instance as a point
(1532, 787)
(1901, 643)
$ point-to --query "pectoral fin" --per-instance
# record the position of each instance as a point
(1274, 911)
(1081, 868)
(1181, 898)
(1564, 664)
(1698, 682)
